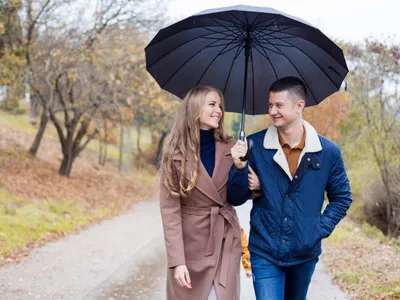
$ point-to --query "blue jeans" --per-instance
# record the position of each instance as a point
(272, 282)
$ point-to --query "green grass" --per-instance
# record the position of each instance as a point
(344, 233)
(17, 122)
(392, 291)
(22, 123)
(22, 221)
(374, 233)
(388, 288)
(341, 234)
(349, 278)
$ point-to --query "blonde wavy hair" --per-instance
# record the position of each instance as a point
(184, 139)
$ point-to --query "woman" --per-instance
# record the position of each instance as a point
(201, 229)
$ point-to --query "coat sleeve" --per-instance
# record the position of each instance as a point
(339, 195)
(170, 207)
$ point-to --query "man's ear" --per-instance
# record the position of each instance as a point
(300, 105)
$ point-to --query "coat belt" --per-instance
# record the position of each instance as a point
(228, 213)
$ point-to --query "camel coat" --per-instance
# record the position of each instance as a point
(202, 232)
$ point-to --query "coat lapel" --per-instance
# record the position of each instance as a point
(205, 183)
(223, 163)
(210, 186)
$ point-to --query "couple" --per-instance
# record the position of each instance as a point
(289, 170)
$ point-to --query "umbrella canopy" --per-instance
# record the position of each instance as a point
(242, 50)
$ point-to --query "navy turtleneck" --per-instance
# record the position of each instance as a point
(207, 150)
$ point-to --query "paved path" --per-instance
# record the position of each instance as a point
(122, 258)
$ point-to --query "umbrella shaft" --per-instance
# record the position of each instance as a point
(246, 63)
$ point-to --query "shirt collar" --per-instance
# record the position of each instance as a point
(300, 146)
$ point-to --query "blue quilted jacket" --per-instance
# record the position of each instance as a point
(287, 223)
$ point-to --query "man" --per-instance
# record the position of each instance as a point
(295, 167)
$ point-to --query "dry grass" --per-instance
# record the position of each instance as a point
(364, 263)
(38, 205)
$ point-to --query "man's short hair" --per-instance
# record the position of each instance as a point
(293, 85)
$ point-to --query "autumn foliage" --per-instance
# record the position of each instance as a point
(326, 116)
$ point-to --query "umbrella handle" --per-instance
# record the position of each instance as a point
(249, 146)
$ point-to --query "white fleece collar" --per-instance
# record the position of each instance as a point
(271, 141)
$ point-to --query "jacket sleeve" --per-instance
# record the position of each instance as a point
(245, 252)
(339, 196)
(255, 194)
(170, 207)
(238, 185)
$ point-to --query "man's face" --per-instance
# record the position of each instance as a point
(283, 110)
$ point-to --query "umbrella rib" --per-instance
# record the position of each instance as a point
(237, 28)
(178, 46)
(227, 44)
(187, 29)
(315, 100)
(268, 20)
(224, 32)
(315, 64)
(291, 35)
(233, 16)
(256, 19)
(190, 58)
(267, 41)
(230, 49)
(294, 66)
(266, 56)
(294, 36)
(268, 25)
(260, 31)
(240, 21)
(240, 49)
(273, 40)
(212, 61)
(215, 20)
(265, 47)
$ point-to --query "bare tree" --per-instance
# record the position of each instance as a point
(69, 76)
(375, 84)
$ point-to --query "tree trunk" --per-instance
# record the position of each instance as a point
(138, 129)
(105, 145)
(105, 153)
(33, 109)
(101, 147)
(159, 149)
(121, 147)
(68, 159)
(44, 119)
(128, 151)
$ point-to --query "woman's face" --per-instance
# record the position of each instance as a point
(211, 112)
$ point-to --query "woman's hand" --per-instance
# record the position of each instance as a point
(181, 275)
(239, 150)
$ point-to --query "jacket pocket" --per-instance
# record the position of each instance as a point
(306, 236)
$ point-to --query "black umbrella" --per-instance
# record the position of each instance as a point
(242, 50)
